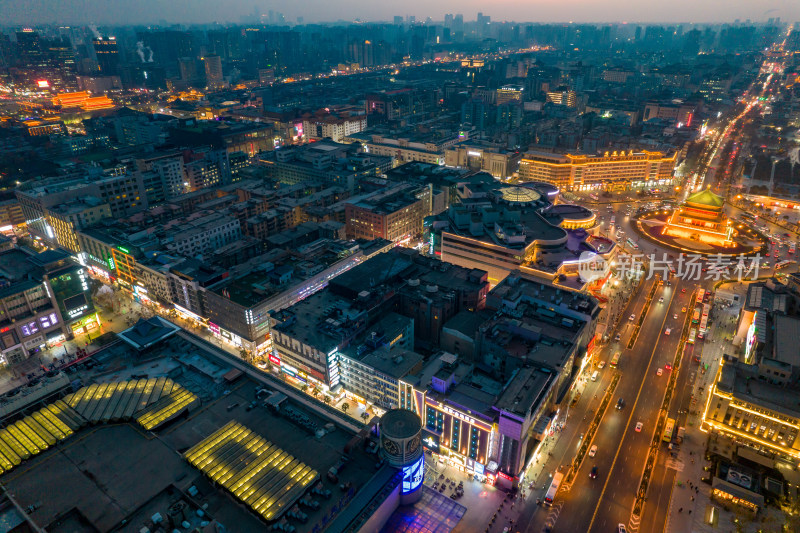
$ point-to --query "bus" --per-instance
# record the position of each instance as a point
(784, 264)
(551, 492)
(792, 248)
(615, 360)
(696, 316)
(701, 331)
(668, 429)
(633, 244)
(692, 335)
(700, 294)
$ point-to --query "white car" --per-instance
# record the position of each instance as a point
(638, 427)
(667, 331)
(675, 316)
(601, 365)
(659, 372)
(621, 529)
(632, 318)
(593, 451)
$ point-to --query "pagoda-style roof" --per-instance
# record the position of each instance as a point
(706, 198)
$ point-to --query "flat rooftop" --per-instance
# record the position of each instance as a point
(525, 390)
(112, 473)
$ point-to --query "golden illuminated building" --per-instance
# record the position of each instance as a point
(701, 219)
(82, 100)
(747, 405)
(611, 171)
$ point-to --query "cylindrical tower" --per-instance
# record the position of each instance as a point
(401, 442)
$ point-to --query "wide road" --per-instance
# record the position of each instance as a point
(622, 452)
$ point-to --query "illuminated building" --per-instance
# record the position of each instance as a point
(44, 126)
(401, 443)
(489, 426)
(611, 171)
(566, 97)
(30, 318)
(107, 54)
(67, 218)
(676, 113)
(405, 147)
(311, 336)
(494, 159)
(701, 219)
(395, 214)
(213, 69)
(82, 100)
(509, 93)
(753, 400)
(499, 229)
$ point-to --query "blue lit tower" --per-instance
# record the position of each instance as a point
(401, 442)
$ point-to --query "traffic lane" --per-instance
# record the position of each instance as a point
(617, 501)
(649, 408)
(659, 495)
(608, 435)
(585, 492)
(612, 429)
(530, 518)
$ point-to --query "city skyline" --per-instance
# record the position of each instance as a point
(124, 12)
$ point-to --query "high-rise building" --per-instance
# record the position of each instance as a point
(213, 65)
(107, 55)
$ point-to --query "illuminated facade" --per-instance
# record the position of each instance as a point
(395, 215)
(701, 219)
(611, 171)
(751, 405)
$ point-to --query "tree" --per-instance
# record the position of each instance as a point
(345, 407)
(365, 416)
(327, 399)
(304, 388)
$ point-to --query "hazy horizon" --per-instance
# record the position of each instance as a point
(130, 12)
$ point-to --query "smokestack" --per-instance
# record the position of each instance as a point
(140, 51)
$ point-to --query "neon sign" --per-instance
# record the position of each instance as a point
(412, 475)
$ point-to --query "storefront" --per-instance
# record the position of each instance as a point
(225, 335)
(86, 324)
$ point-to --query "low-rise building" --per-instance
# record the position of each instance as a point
(496, 160)
(610, 171)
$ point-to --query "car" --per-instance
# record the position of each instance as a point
(593, 473)
(683, 309)
(683, 290)
(668, 366)
(601, 364)
(617, 337)
(661, 300)
(632, 318)
(667, 331)
(620, 404)
(659, 372)
(638, 427)
(675, 316)
(621, 528)
(593, 451)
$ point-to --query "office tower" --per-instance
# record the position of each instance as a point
(107, 55)
(213, 65)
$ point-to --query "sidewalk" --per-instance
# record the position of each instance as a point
(691, 507)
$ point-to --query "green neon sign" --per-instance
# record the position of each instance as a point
(121, 249)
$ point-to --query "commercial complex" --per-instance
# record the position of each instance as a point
(614, 171)
(753, 399)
